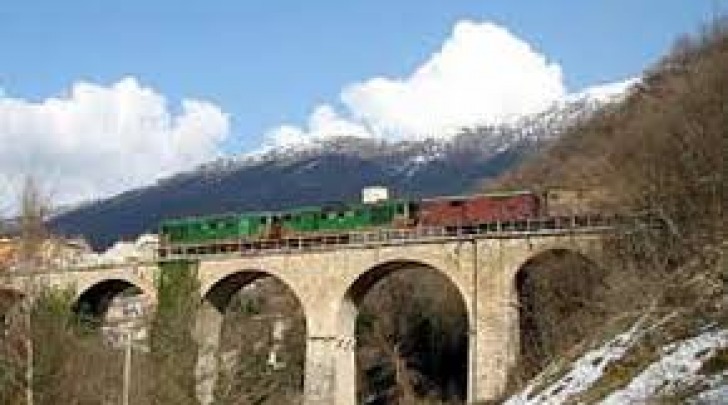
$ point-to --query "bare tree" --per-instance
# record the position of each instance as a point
(412, 333)
(34, 208)
(261, 365)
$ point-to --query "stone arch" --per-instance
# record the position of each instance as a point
(218, 291)
(348, 312)
(357, 288)
(554, 288)
(95, 297)
(585, 250)
(216, 294)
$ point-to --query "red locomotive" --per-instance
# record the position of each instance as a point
(482, 208)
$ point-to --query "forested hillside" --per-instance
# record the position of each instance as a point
(663, 152)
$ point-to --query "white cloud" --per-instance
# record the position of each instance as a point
(482, 74)
(97, 140)
(323, 123)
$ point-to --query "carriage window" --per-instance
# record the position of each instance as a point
(457, 203)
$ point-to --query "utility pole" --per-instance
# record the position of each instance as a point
(28, 354)
(127, 367)
(133, 328)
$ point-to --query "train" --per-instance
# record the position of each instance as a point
(331, 219)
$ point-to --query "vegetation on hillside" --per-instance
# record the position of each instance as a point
(172, 347)
(662, 151)
(51, 352)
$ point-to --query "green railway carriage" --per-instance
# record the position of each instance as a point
(359, 216)
(345, 217)
(301, 221)
(349, 217)
(203, 229)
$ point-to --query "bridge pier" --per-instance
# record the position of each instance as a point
(330, 370)
(495, 342)
(208, 327)
(320, 370)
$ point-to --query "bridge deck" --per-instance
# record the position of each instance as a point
(389, 237)
(535, 227)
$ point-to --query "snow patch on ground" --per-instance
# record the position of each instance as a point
(715, 396)
(676, 368)
(583, 373)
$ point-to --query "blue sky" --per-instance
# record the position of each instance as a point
(266, 63)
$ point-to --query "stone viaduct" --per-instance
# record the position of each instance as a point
(329, 284)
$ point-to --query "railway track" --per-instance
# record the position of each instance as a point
(390, 237)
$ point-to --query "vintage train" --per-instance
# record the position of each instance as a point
(342, 218)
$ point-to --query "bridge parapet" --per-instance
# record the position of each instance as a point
(517, 229)
(141, 275)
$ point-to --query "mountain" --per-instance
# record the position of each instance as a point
(327, 170)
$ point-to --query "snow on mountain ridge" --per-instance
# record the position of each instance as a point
(605, 93)
(407, 156)
(560, 115)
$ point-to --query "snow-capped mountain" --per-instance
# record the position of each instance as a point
(331, 169)
(537, 127)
